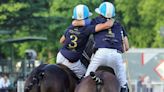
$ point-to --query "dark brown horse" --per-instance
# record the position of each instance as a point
(32, 80)
(103, 80)
(51, 78)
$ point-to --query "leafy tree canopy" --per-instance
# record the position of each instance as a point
(49, 18)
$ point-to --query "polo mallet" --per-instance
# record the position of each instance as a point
(126, 60)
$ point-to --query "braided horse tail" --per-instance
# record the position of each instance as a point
(95, 78)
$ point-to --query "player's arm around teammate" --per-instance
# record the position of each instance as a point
(99, 27)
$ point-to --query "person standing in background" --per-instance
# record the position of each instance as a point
(1, 79)
(4, 83)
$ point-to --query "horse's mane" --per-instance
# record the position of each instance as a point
(37, 69)
(32, 78)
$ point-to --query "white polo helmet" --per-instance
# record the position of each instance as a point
(106, 9)
(81, 12)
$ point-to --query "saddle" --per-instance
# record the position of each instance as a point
(106, 68)
(68, 71)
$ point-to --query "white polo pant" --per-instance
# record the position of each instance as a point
(111, 58)
(77, 67)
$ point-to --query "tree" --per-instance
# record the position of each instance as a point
(50, 18)
(143, 20)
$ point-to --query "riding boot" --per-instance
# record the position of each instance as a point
(125, 88)
(80, 79)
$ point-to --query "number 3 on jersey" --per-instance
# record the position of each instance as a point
(74, 41)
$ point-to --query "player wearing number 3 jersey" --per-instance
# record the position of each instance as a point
(75, 38)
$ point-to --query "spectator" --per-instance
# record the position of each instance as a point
(4, 83)
(144, 84)
(1, 79)
(147, 84)
(139, 84)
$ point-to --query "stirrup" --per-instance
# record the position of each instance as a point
(125, 89)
